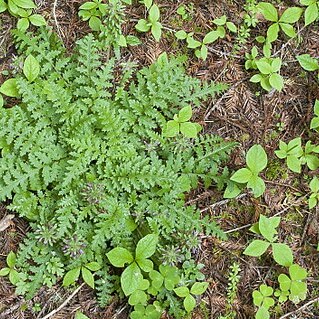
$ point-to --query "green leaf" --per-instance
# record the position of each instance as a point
(137, 297)
(11, 259)
(146, 246)
(232, 190)
(192, 43)
(189, 129)
(256, 158)
(31, 68)
(181, 35)
(71, 276)
(294, 163)
(243, 175)
(157, 279)
(204, 52)
(314, 185)
(288, 29)
(220, 21)
(264, 66)
(268, 11)
(14, 276)
(131, 279)
(132, 40)
(37, 20)
(80, 315)
(256, 248)
(267, 227)
(311, 13)
(276, 81)
(145, 264)
(23, 24)
(231, 27)
(148, 3)
(291, 15)
(88, 6)
(93, 266)
(308, 63)
(9, 88)
(189, 303)
(4, 272)
(199, 288)
(142, 26)
(119, 256)
(284, 282)
(262, 313)
(26, 4)
(297, 273)
(156, 30)
(266, 290)
(282, 254)
(257, 185)
(154, 13)
(185, 114)
(3, 6)
(211, 37)
(256, 78)
(272, 32)
(312, 202)
(172, 129)
(95, 23)
(182, 291)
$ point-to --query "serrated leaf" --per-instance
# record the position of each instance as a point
(71, 276)
(31, 68)
(282, 254)
(256, 248)
(119, 256)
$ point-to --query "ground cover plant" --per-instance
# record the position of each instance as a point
(159, 159)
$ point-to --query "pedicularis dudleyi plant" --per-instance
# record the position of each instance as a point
(85, 160)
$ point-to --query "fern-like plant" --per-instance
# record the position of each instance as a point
(84, 160)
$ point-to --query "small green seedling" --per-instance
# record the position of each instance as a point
(251, 59)
(189, 302)
(308, 63)
(152, 23)
(153, 311)
(132, 280)
(293, 287)
(201, 50)
(73, 275)
(181, 124)
(93, 11)
(256, 160)
(312, 11)
(284, 22)
(263, 300)
(22, 9)
(269, 74)
(185, 11)
(314, 124)
(292, 153)
(14, 276)
(314, 197)
(266, 227)
(296, 156)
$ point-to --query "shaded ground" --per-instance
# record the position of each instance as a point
(239, 114)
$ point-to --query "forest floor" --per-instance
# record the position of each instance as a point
(244, 113)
